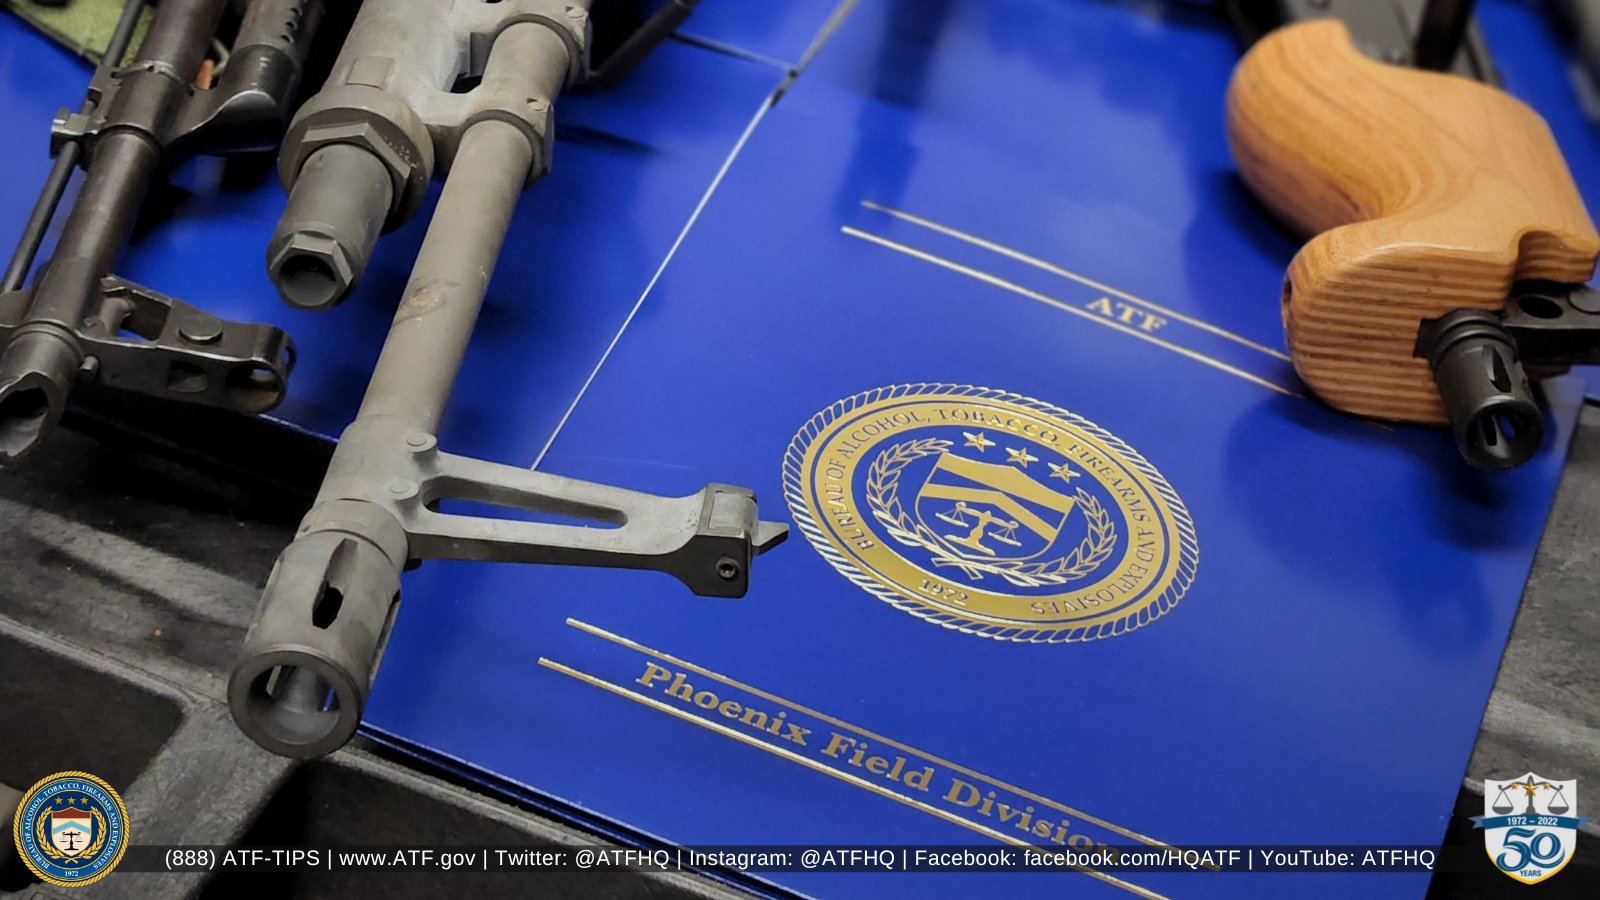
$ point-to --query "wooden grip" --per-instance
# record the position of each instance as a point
(1426, 192)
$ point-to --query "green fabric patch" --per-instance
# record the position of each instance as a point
(82, 26)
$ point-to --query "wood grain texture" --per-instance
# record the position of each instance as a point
(1425, 192)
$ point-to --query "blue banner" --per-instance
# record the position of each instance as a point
(1537, 821)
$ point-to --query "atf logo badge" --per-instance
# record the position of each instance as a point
(1530, 825)
(71, 829)
(990, 513)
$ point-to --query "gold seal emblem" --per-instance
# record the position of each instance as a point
(991, 513)
(71, 829)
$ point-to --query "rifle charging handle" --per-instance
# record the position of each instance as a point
(1424, 194)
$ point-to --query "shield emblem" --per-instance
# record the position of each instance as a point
(1530, 825)
(71, 830)
(987, 511)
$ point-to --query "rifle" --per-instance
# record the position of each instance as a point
(357, 159)
(77, 321)
(1450, 245)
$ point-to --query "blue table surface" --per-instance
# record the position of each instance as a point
(944, 195)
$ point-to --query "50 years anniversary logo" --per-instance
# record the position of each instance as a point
(71, 829)
(991, 513)
(1530, 825)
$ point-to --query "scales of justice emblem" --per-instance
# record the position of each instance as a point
(1536, 841)
(990, 513)
(988, 519)
(70, 829)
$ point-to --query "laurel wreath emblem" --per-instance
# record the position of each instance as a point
(48, 849)
(883, 498)
(809, 508)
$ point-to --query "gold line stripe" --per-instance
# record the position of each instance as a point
(1054, 269)
(1015, 288)
(813, 764)
(650, 651)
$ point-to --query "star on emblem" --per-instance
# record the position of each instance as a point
(1020, 457)
(1063, 471)
(977, 440)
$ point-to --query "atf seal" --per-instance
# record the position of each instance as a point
(71, 829)
(990, 512)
